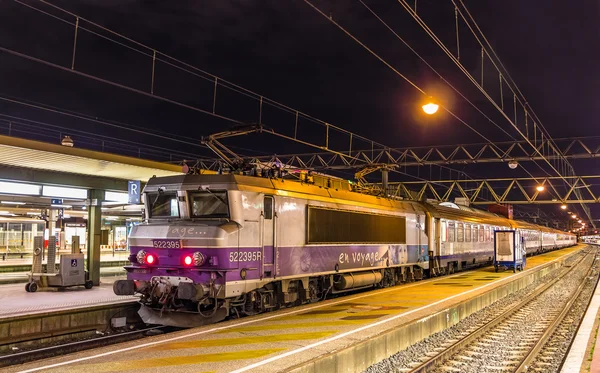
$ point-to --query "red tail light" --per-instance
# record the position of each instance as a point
(188, 260)
(150, 259)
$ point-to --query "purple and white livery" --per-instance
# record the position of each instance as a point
(214, 246)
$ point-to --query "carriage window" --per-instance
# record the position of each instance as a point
(481, 234)
(443, 231)
(487, 235)
(209, 204)
(163, 205)
(451, 232)
(475, 233)
(468, 232)
(268, 207)
(460, 232)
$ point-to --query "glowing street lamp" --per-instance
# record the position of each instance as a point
(430, 108)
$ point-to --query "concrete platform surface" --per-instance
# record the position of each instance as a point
(27, 259)
(580, 354)
(325, 331)
(16, 302)
(23, 277)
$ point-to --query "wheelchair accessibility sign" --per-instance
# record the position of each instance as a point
(73, 262)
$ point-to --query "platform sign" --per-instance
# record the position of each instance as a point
(56, 201)
(133, 190)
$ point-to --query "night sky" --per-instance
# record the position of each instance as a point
(286, 51)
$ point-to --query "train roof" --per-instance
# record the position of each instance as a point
(464, 213)
(335, 190)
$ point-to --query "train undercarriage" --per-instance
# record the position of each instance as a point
(184, 304)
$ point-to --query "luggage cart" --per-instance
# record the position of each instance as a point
(509, 251)
(71, 270)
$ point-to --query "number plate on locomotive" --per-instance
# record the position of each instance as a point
(166, 244)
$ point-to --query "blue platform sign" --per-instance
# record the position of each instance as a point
(56, 201)
(133, 190)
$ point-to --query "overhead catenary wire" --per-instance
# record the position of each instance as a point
(89, 117)
(186, 67)
(113, 124)
(567, 168)
(217, 79)
(11, 119)
(441, 77)
(482, 90)
(511, 83)
(349, 34)
(434, 70)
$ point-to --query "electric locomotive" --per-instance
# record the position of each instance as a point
(214, 246)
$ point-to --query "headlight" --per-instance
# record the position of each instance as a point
(141, 255)
(199, 259)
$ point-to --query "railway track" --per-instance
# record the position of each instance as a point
(61, 349)
(516, 340)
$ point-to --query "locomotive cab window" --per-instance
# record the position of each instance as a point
(163, 205)
(209, 204)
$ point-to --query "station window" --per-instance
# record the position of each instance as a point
(468, 232)
(460, 232)
(451, 232)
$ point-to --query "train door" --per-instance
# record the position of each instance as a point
(268, 236)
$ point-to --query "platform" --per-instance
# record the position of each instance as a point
(584, 354)
(303, 339)
(16, 270)
(15, 301)
(27, 258)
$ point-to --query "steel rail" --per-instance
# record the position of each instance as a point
(533, 353)
(435, 361)
(71, 347)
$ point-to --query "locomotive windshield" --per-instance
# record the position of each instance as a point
(209, 204)
(163, 205)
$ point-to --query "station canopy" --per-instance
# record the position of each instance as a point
(18, 152)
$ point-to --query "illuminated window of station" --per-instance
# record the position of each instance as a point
(25, 211)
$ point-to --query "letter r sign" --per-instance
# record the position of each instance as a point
(133, 190)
